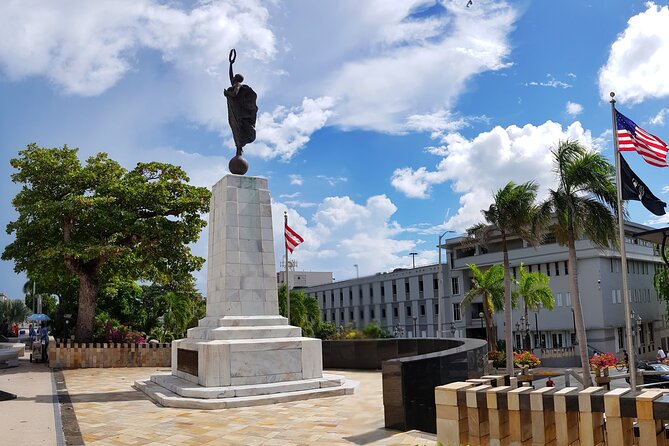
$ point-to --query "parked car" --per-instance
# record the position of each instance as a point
(655, 367)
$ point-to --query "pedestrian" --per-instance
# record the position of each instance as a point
(661, 355)
(44, 338)
(32, 333)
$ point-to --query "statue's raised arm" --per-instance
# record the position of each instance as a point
(242, 113)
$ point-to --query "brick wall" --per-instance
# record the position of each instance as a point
(75, 355)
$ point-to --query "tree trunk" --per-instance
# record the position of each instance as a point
(88, 293)
(526, 335)
(578, 313)
(508, 336)
(488, 324)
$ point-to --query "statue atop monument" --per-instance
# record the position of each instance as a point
(242, 112)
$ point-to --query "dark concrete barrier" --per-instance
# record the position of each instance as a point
(411, 369)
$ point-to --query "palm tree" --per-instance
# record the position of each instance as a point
(582, 205)
(304, 310)
(534, 290)
(12, 311)
(513, 212)
(488, 285)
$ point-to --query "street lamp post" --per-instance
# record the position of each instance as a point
(357, 273)
(440, 291)
(452, 329)
(413, 258)
(415, 332)
(481, 320)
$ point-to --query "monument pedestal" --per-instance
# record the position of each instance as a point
(243, 352)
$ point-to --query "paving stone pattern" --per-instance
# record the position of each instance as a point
(111, 412)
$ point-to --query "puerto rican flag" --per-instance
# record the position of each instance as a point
(292, 238)
(632, 137)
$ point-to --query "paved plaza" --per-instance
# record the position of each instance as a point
(100, 407)
(110, 412)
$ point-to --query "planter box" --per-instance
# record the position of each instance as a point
(103, 355)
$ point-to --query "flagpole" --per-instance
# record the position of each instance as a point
(631, 366)
(285, 225)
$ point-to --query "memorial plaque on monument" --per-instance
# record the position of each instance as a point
(187, 361)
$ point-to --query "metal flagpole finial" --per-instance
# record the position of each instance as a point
(613, 97)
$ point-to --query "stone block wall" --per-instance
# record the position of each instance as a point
(101, 355)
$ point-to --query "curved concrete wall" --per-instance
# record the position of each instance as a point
(411, 369)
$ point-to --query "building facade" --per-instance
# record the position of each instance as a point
(404, 301)
(304, 279)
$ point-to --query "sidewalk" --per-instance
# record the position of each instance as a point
(31, 417)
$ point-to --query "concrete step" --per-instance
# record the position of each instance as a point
(242, 321)
(229, 333)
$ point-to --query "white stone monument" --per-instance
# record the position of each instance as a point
(243, 352)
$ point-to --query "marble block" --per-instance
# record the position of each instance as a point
(240, 254)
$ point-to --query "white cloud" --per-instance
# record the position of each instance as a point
(639, 58)
(343, 233)
(571, 75)
(574, 108)
(87, 47)
(293, 195)
(296, 180)
(332, 181)
(550, 83)
(658, 119)
(665, 189)
(301, 204)
(479, 166)
(380, 91)
(285, 131)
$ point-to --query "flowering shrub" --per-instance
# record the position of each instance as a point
(497, 357)
(112, 331)
(526, 359)
(603, 361)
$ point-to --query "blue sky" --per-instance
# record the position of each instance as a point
(382, 123)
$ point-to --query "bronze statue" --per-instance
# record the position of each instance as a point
(242, 112)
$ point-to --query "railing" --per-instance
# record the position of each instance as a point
(484, 411)
(559, 352)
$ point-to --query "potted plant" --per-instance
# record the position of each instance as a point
(525, 361)
(600, 364)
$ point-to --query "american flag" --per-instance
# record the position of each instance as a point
(632, 137)
(292, 238)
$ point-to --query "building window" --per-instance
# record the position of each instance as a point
(436, 309)
(383, 313)
(383, 291)
(323, 301)
(513, 272)
(621, 338)
(394, 289)
(371, 291)
(558, 299)
(422, 310)
(351, 314)
(457, 316)
(435, 284)
(341, 316)
(557, 268)
(396, 312)
(362, 314)
(408, 310)
(567, 299)
(371, 313)
(613, 296)
(332, 298)
(325, 316)
(406, 287)
(333, 316)
(455, 285)
(651, 335)
(420, 285)
(548, 269)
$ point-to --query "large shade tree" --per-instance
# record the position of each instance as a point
(512, 213)
(582, 205)
(97, 220)
(534, 290)
(489, 285)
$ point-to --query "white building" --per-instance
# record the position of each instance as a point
(405, 300)
(304, 279)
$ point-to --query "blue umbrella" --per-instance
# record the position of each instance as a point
(38, 317)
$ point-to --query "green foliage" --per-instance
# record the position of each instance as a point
(373, 331)
(661, 283)
(325, 330)
(12, 311)
(534, 289)
(304, 310)
(490, 287)
(96, 221)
